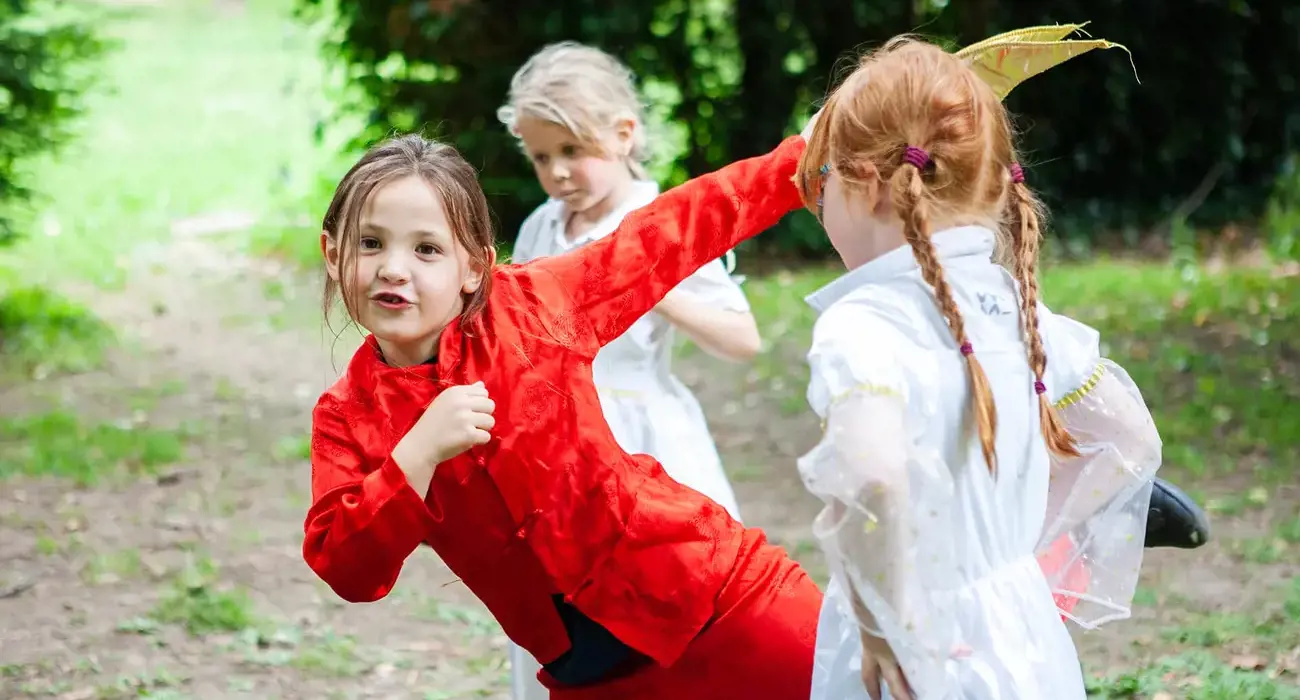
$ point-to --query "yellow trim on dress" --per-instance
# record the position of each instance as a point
(1077, 395)
(865, 388)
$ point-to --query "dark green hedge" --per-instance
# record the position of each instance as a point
(1203, 134)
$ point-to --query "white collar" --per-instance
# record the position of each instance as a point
(642, 193)
(949, 244)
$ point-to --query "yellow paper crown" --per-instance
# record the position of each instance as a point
(1010, 58)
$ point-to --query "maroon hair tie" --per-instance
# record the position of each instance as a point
(916, 157)
(1017, 176)
(1040, 388)
(966, 349)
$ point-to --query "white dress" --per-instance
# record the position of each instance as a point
(648, 409)
(945, 557)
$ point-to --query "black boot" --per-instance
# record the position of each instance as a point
(1174, 519)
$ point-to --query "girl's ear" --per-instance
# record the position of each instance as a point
(624, 135)
(867, 185)
(330, 249)
(475, 274)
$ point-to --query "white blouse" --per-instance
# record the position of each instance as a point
(966, 575)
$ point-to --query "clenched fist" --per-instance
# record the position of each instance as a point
(458, 419)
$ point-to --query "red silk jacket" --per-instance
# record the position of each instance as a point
(551, 505)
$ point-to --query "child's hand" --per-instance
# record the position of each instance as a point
(879, 664)
(458, 419)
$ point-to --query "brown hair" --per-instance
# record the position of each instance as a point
(913, 95)
(456, 183)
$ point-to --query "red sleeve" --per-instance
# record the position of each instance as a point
(362, 523)
(619, 278)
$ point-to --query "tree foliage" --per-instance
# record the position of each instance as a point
(1201, 138)
(44, 49)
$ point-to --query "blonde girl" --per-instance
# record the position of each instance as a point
(967, 426)
(579, 120)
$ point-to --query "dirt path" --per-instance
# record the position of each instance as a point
(84, 569)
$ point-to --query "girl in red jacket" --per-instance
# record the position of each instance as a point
(468, 421)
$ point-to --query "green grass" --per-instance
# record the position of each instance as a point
(475, 621)
(1195, 675)
(1215, 354)
(293, 448)
(189, 121)
(110, 567)
(42, 333)
(60, 444)
(1228, 657)
(84, 680)
(298, 245)
(200, 602)
(295, 236)
(331, 656)
(197, 602)
(184, 122)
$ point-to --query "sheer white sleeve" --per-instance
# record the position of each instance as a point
(885, 527)
(1097, 503)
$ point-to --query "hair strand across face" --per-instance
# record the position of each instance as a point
(456, 183)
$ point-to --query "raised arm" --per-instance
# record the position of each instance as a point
(362, 523)
(616, 280)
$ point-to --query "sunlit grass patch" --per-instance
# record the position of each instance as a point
(42, 334)
(62, 445)
(168, 137)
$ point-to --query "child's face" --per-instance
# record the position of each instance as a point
(580, 175)
(410, 271)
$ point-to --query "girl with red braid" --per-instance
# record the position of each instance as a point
(968, 429)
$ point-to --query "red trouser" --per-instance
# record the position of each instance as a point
(759, 646)
(1059, 555)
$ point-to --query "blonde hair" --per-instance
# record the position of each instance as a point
(583, 89)
(917, 125)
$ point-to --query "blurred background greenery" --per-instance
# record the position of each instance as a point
(1204, 140)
